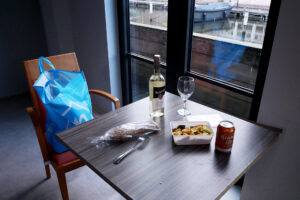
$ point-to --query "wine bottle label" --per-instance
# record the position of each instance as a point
(158, 97)
(158, 92)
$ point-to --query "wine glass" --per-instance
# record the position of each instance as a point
(185, 87)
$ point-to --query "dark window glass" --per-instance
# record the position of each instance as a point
(222, 99)
(227, 43)
(140, 75)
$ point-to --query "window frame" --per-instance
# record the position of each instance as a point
(179, 47)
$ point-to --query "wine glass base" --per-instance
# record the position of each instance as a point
(183, 112)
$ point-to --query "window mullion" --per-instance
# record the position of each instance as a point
(180, 21)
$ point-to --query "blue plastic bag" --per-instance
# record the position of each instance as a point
(66, 99)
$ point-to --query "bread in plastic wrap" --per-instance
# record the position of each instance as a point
(128, 130)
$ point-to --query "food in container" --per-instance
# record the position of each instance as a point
(191, 133)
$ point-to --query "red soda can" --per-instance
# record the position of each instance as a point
(225, 134)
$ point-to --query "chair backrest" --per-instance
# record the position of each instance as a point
(66, 61)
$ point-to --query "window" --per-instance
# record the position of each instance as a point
(224, 45)
(227, 44)
(145, 28)
(148, 28)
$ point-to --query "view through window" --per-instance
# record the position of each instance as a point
(227, 42)
(148, 36)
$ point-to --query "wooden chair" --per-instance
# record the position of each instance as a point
(66, 161)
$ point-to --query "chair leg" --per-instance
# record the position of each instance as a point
(47, 169)
(62, 184)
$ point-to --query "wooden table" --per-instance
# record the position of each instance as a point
(163, 170)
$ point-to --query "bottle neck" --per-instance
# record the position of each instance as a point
(156, 64)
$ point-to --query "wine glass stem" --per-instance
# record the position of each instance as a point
(184, 106)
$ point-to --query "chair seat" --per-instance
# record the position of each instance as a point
(60, 158)
(63, 158)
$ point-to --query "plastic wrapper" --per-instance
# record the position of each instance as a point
(128, 131)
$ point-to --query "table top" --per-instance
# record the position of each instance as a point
(163, 170)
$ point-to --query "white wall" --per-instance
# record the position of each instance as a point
(277, 174)
(82, 27)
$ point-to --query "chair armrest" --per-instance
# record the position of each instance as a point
(108, 96)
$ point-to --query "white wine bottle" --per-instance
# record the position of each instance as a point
(157, 87)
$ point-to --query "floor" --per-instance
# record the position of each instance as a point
(22, 172)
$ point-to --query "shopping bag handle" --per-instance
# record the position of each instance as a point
(41, 67)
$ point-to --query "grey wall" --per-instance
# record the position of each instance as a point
(90, 42)
(277, 174)
(82, 27)
(57, 25)
(22, 38)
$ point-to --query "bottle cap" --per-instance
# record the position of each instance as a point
(156, 62)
